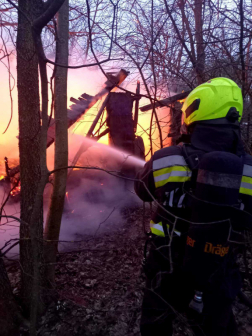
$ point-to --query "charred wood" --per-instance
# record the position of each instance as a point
(166, 102)
(120, 121)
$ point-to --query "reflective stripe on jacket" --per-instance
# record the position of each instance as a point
(157, 229)
(246, 182)
(171, 168)
(164, 176)
(246, 185)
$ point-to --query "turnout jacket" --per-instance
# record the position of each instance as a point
(173, 170)
(204, 253)
(213, 168)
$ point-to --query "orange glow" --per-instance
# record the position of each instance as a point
(8, 141)
(77, 164)
(80, 81)
(82, 126)
(1, 177)
(16, 191)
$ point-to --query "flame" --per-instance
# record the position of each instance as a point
(76, 86)
(16, 191)
(77, 164)
(182, 100)
(1, 177)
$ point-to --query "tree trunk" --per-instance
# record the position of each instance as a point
(200, 48)
(53, 223)
(29, 139)
(176, 114)
(9, 311)
(32, 17)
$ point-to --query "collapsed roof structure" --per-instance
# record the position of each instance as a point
(121, 124)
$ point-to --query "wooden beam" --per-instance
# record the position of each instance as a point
(166, 101)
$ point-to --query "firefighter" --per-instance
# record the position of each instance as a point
(191, 266)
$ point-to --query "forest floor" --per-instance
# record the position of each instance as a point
(100, 285)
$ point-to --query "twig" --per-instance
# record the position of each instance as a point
(104, 221)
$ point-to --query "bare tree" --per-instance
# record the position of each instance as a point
(32, 17)
(52, 229)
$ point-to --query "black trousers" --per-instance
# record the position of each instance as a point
(168, 295)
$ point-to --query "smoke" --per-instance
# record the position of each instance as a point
(9, 228)
(94, 199)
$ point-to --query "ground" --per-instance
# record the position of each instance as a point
(100, 285)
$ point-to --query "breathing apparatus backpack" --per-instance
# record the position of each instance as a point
(214, 204)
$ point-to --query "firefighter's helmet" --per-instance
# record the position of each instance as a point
(218, 101)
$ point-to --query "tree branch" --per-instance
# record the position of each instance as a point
(178, 33)
(83, 65)
(20, 11)
(47, 15)
(243, 75)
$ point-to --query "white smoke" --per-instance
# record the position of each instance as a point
(94, 199)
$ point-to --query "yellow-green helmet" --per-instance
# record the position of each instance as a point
(219, 101)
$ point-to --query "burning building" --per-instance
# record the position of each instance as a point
(121, 126)
(121, 123)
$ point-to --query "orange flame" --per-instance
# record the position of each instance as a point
(15, 191)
